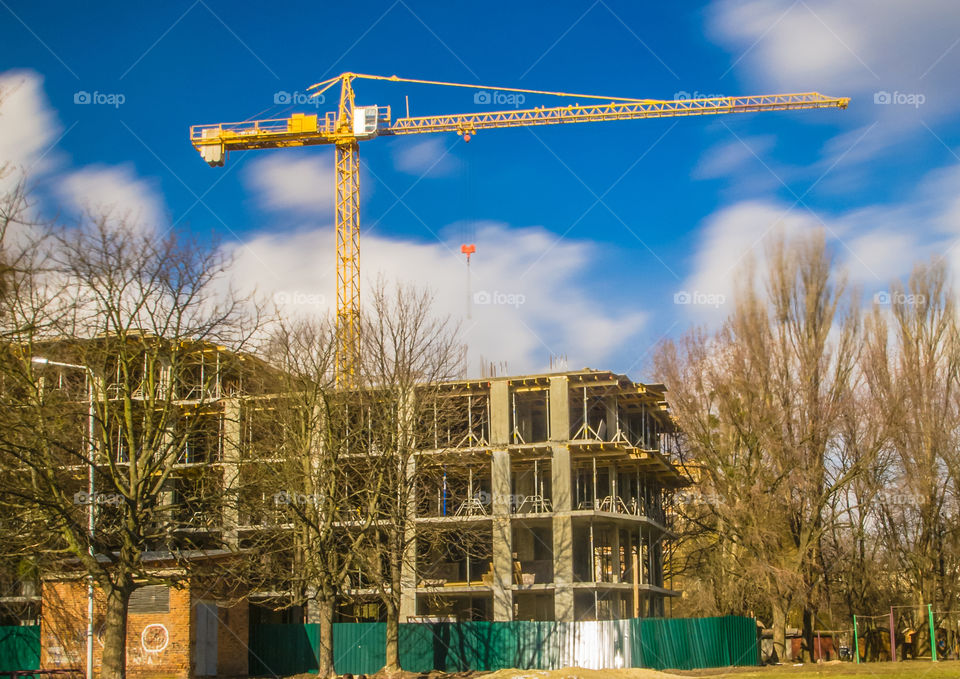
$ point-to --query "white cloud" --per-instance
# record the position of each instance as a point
(284, 182)
(843, 45)
(733, 157)
(864, 49)
(428, 157)
(27, 125)
(116, 189)
(520, 314)
(874, 244)
(730, 239)
(28, 129)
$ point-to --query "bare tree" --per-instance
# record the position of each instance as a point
(103, 370)
(309, 474)
(407, 353)
(760, 403)
(913, 367)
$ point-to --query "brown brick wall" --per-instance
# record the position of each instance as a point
(158, 644)
(232, 639)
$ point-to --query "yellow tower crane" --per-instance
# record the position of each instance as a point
(351, 124)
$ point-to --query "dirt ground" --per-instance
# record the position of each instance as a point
(922, 669)
(578, 673)
(887, 670)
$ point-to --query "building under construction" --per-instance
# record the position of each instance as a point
(561, 481)
(544, 500)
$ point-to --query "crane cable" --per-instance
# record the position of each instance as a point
(394, 78)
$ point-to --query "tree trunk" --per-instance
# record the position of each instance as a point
(325, 666)
(114, 665)
(779, 634)
(393, 607)
(393, 639)
(807, 653)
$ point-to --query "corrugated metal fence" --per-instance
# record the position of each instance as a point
(658, 643)
(19, 648)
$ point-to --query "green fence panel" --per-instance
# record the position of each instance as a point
(455, 647)
(695, 643)
(636, 649)
(657, 643)
(282, 649)
(360, 648)
(19, 648)
(535, 645)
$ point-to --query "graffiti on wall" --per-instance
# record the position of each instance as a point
(154, 639)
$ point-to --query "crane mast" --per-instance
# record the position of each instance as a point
(347, 200)
(351, 124)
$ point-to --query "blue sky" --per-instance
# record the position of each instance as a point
(587, 234)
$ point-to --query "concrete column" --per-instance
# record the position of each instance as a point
(408, 571)
(562, 500)
(502, 538)
(499, 413)
(560, 408)
(231, 469)
(610, 404)
(500, 487)
(311, 612)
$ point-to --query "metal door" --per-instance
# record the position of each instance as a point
(205, 652)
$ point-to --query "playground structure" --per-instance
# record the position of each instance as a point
(907, 633)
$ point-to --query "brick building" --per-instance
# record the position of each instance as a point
(198, 629)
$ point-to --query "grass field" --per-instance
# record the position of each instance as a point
(922, 669)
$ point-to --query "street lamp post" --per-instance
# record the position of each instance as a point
(91, 524)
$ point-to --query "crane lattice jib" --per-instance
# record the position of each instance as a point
(350, 124)
(310, 131)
